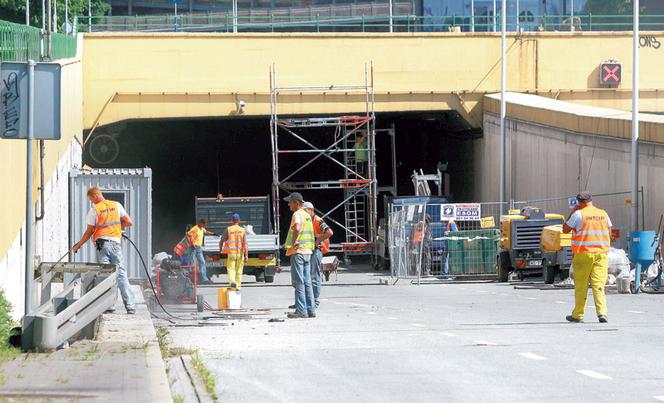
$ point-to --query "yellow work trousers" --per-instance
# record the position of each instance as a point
(234, 267)
(591, 267)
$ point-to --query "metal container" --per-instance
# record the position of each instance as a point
(642, 247)
(133, 189)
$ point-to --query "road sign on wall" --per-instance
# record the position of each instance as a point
(610, 73)
(14, 101)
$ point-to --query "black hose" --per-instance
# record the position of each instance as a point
(154, 291)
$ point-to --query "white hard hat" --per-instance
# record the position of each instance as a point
(308, 205)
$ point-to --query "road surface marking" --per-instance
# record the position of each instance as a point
(660, 398)
(392, 318)
(533, 356)
(448, 334)
(635, 312)
(593, 374)
(418, 325)
(560, 302)
(371, 313)
(531, 298)
(485, 343)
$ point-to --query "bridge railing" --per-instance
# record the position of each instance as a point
(266, 20)
(19, 43)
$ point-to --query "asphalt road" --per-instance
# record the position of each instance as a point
(482, 342)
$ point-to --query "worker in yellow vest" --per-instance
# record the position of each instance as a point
(299, 246)
(105, 221)
(196, 235)
(233, 244)
(591, 242)
(322, 234)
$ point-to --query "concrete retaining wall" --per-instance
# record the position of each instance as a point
(547, 162)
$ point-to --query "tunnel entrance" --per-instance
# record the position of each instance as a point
(232, 157)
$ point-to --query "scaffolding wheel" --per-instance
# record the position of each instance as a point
(200, 303)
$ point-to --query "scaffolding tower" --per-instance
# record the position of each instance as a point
(346, 136)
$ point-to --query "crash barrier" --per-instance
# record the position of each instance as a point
(90, 290)
(418, 243)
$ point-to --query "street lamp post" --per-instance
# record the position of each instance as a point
(635, 121)
(503, 84)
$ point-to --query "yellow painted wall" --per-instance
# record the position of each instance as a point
(13, 161)
(199, 75)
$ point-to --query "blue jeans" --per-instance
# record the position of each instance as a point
(112, 253)
(301, 278)
(316, 259)
(200, 259)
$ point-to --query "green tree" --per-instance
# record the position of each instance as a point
(14, 10)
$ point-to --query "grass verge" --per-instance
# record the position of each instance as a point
(205, 374)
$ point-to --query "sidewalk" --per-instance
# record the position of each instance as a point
(123, 364)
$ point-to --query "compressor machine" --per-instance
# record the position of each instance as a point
(178, 284)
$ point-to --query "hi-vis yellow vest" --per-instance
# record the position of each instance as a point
(108, 220)
(236, 243)
(306, 235)
(595, 234)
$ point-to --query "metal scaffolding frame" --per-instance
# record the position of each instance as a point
(358, 183)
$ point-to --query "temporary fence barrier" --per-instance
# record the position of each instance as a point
(421, 244)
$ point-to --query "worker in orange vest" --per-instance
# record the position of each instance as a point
(591, 242)
(105, 220)
(322, 234)
(233, 244)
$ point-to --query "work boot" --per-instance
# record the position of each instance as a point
(131, 311)
(295, 315)
(603, 319)
(312, 314)
(571, 318)
(317, 303)
(291, 306)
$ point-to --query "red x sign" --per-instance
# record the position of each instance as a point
(610, 73)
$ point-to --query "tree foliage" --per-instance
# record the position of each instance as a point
(14, 10)
(609, 7)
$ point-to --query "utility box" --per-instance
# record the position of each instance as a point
(132, 187)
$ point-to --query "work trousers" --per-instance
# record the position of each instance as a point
(111, 253)
(200, 259)
(301, 278)
(234, 267)
(316, 259)
(591, 267)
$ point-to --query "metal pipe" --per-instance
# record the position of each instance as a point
(472, 15)
(49, 30)
(27, 12)
(235, 16)
(28, 191)
(571, 13)
(391, 16)
(503, 79)
(55, 15)
(518, 8)
(635, 120)
(89, 15)
(43, 15)
(40, 216)
(495, 28)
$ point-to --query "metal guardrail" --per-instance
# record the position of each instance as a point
(267, 20)
(19, 43)
(62, 316)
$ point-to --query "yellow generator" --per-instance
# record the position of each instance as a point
(520, 237)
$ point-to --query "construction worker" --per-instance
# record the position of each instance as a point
(361, 154)
(591, 241)
(196, 234)
(299, 245)
(322, 234)
(233, 244)
(105, 221)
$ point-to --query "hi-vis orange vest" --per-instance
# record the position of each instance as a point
(418, 232)
(595, 234)
(325, 245)
(108, 220)
(236, 244)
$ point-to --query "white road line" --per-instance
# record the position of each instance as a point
(533, 356)
(660, 398)
(531, 298)
(371, 313)
(448, 334)
(485, 343)
(635, 312)
(561, 302)
(418, 325)
(392, 318)
(593, 374)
